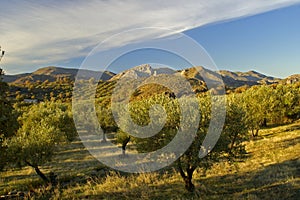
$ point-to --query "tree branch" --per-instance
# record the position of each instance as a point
(180, 169)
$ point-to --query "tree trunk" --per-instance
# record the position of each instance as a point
(264, 123)
(189, 186)
(38, 171)
(104, 138)
(124, 144)
(252, 131)
(232, 143)
(41, 174)
(256, 132)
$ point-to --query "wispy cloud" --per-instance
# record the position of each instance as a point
(52, 32)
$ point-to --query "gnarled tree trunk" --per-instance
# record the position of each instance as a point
(255, 132)
(124, 144)
(187, 178)
(38, 171)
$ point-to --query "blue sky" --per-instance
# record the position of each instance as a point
(268, 42)
(238, 35)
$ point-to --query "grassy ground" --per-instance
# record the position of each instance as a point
(270, 171)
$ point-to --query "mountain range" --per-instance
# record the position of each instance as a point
(52, 73)
(230, 79)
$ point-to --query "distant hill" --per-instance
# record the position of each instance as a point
(53, 73)
(292, 79)
(143, 71)
(230, 79)
(194, 75)
(237, 79)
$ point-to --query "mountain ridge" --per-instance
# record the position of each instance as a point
(202, 74)
(231, 79)
(52, 73)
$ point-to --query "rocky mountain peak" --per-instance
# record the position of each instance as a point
(143, 71)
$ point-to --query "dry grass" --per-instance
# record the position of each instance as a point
(270, 171)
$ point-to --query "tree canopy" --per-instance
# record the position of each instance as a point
(8, 122)
(43, 127)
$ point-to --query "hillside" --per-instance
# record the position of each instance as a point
(292, 79)
(199, 73)
(53, 73)
(237, 79)
(142, 71)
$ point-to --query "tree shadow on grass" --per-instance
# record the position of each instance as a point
(290, 142)
(277, 181)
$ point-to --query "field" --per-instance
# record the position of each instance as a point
(270, 171)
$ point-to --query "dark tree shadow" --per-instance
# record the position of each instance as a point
(277, 181)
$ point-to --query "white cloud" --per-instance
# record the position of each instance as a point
(36, 34)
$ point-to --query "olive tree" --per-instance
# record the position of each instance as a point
(8, 118)
(286, 102)
(230, 143)
(258, 102)
(139, 113)
(106, 121)
(43, 128)
(269, 105)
